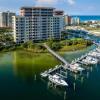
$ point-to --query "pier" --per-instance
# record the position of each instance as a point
(78, 60)
(56, 55)
(74, 66)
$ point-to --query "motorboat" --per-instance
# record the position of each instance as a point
(94, 54)
(90, 60)
(57, 80)
(44, 74)
(98, 50)
(76, 67)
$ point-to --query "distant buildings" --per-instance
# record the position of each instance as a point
(37, 23)
(75, 20)
(67, 20)
(6, 19)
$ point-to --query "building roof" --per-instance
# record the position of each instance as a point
(25, 7)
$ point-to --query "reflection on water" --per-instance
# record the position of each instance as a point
(27, 66)
(20, 78)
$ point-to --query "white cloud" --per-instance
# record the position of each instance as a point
(46, 2)
(71, 2)
(53, 2)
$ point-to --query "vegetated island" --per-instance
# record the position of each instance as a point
(64, 45)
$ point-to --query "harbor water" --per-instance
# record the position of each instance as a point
(20, 78)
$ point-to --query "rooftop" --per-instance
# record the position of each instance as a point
(26, 7)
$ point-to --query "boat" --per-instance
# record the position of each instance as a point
(94, 54)
(98, 50)
(76, 67)
(44, 74)
(57, 80)
(90, 60)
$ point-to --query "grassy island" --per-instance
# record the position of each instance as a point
(60, 46)
(7, 44)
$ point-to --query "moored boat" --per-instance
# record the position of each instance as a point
(76, 67)
(90, 60)
(57, 80)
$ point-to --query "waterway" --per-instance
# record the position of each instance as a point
(20, 78)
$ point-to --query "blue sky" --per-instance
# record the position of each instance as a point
(71, 7)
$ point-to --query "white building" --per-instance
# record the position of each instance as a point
(75, 21)
(6, 19)
(37, 23)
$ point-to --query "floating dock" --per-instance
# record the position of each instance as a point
(71, 67)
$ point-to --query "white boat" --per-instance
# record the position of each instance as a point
(57, 80)
(44, 74)
(90, 60)
(94, 54)
(98, 50)
(76, 67)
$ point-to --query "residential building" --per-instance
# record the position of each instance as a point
(6, 19)
(75, 21)
(67, 20)
(37, 23)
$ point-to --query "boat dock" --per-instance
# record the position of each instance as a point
(56, 55)
(79, 60)
(73, 66)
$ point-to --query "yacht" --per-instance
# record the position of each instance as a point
(76, 67)
(44, 74)
(90, 60)
(98, 50)
(94, 54)
(57, 80)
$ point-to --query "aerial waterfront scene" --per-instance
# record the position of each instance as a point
(49, 50)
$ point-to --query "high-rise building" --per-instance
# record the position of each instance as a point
(67, 20)
(75, 21)
(37, 23)
(6, 19)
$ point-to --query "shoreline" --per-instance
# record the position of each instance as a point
(39, 52)
(96, 33)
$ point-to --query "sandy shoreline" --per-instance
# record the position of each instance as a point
(97, 33)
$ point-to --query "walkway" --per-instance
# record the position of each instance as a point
(56, 55)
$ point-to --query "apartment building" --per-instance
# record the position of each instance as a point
(37, 23)
(67, 20)
(75, 21)
(6, 19)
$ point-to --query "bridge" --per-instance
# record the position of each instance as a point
(56, 55)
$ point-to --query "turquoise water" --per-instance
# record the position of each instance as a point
(87, 17)
(20, 78)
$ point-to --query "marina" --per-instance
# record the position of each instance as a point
(55, 75)
(30, 84)
(49, 50)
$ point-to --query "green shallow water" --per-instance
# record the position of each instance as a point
(20, 79)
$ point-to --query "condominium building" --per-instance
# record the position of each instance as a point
(6, 19)
(75, 21)
(67, 20)
(37, 23)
